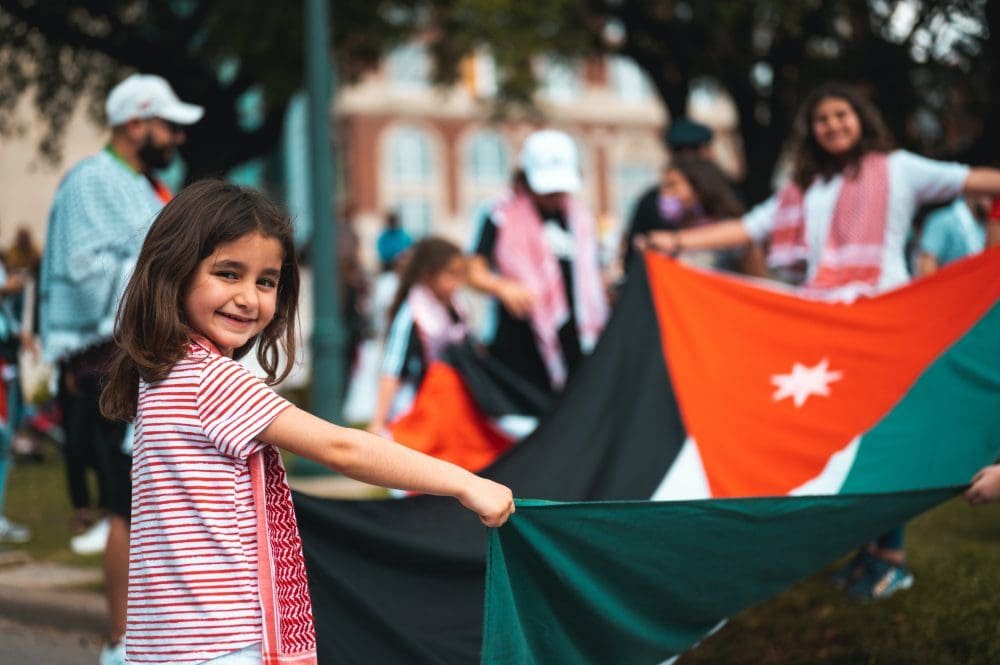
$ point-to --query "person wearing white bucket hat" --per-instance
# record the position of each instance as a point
(99, 218)
(536, 252)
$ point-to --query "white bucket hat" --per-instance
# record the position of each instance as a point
(148, 96)
(548, 158)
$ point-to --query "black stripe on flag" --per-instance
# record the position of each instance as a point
(402, 581)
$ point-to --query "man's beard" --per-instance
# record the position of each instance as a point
(153, 156)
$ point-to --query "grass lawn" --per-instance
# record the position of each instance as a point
(952, 614)
(37, 496)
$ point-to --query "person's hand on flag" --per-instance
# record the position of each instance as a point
(985, 486)
(493, 502)
(666, 242)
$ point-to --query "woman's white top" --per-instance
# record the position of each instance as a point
(913, 181)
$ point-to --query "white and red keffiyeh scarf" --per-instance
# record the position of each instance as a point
(853, 250)
(522, 253)
(289, 637)
(434, 324)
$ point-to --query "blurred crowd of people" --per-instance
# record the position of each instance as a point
(533, 252)
(856, 217)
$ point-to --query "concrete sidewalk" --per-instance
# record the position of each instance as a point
(49, 595)
(54, 594)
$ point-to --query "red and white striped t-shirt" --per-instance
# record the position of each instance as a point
(193, 592)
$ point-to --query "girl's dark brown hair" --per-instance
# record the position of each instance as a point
(426, 258)
(150, 329)
(810, 160)
(710, 185)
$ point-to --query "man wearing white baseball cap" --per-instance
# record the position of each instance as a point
(536, 251)
(99, 218)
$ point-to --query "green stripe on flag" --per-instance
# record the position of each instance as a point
(945, 428)
(638, 582)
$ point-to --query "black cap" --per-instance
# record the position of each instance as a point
(684, 133)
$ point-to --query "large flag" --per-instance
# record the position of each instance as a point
(893, 396)
(637, 583)
(884, 407)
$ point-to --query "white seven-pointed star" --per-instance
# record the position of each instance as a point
(804, 382)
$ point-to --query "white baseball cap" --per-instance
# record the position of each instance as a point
(148, 96)
(548, 158)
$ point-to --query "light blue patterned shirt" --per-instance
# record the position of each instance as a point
(951, 233)
(99, 218)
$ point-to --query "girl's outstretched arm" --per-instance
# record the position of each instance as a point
(372, 459)
(720, 235)
(982, 180)
(387, 387)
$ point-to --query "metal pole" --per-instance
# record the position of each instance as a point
(328, 337)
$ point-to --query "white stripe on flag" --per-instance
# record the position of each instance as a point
(718, 627)
(832, 477)
(685, 479)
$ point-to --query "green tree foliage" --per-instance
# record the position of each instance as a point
(213, 52)
(928, 63)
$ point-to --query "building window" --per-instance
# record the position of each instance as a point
(409, 156)
(479, 73)
(630, 181)
(409, 67)
(560, 80)
(628, 80)
(486, 168)
(415, 215)
(486, 159)
(412, 183)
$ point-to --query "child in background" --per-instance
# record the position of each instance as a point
(951, 232)
(425, 319)
(216, 566)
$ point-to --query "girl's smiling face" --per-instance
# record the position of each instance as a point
(836, 126)
(233, 292)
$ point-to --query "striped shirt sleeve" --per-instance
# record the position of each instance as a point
(234, 407)
(398, 343)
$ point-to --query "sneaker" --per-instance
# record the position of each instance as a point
(93, 540)
(853, 570)
(882, 580)
(13, 533)
(113, 654)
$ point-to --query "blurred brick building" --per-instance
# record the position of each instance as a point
(435, 155)
(432, 154)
